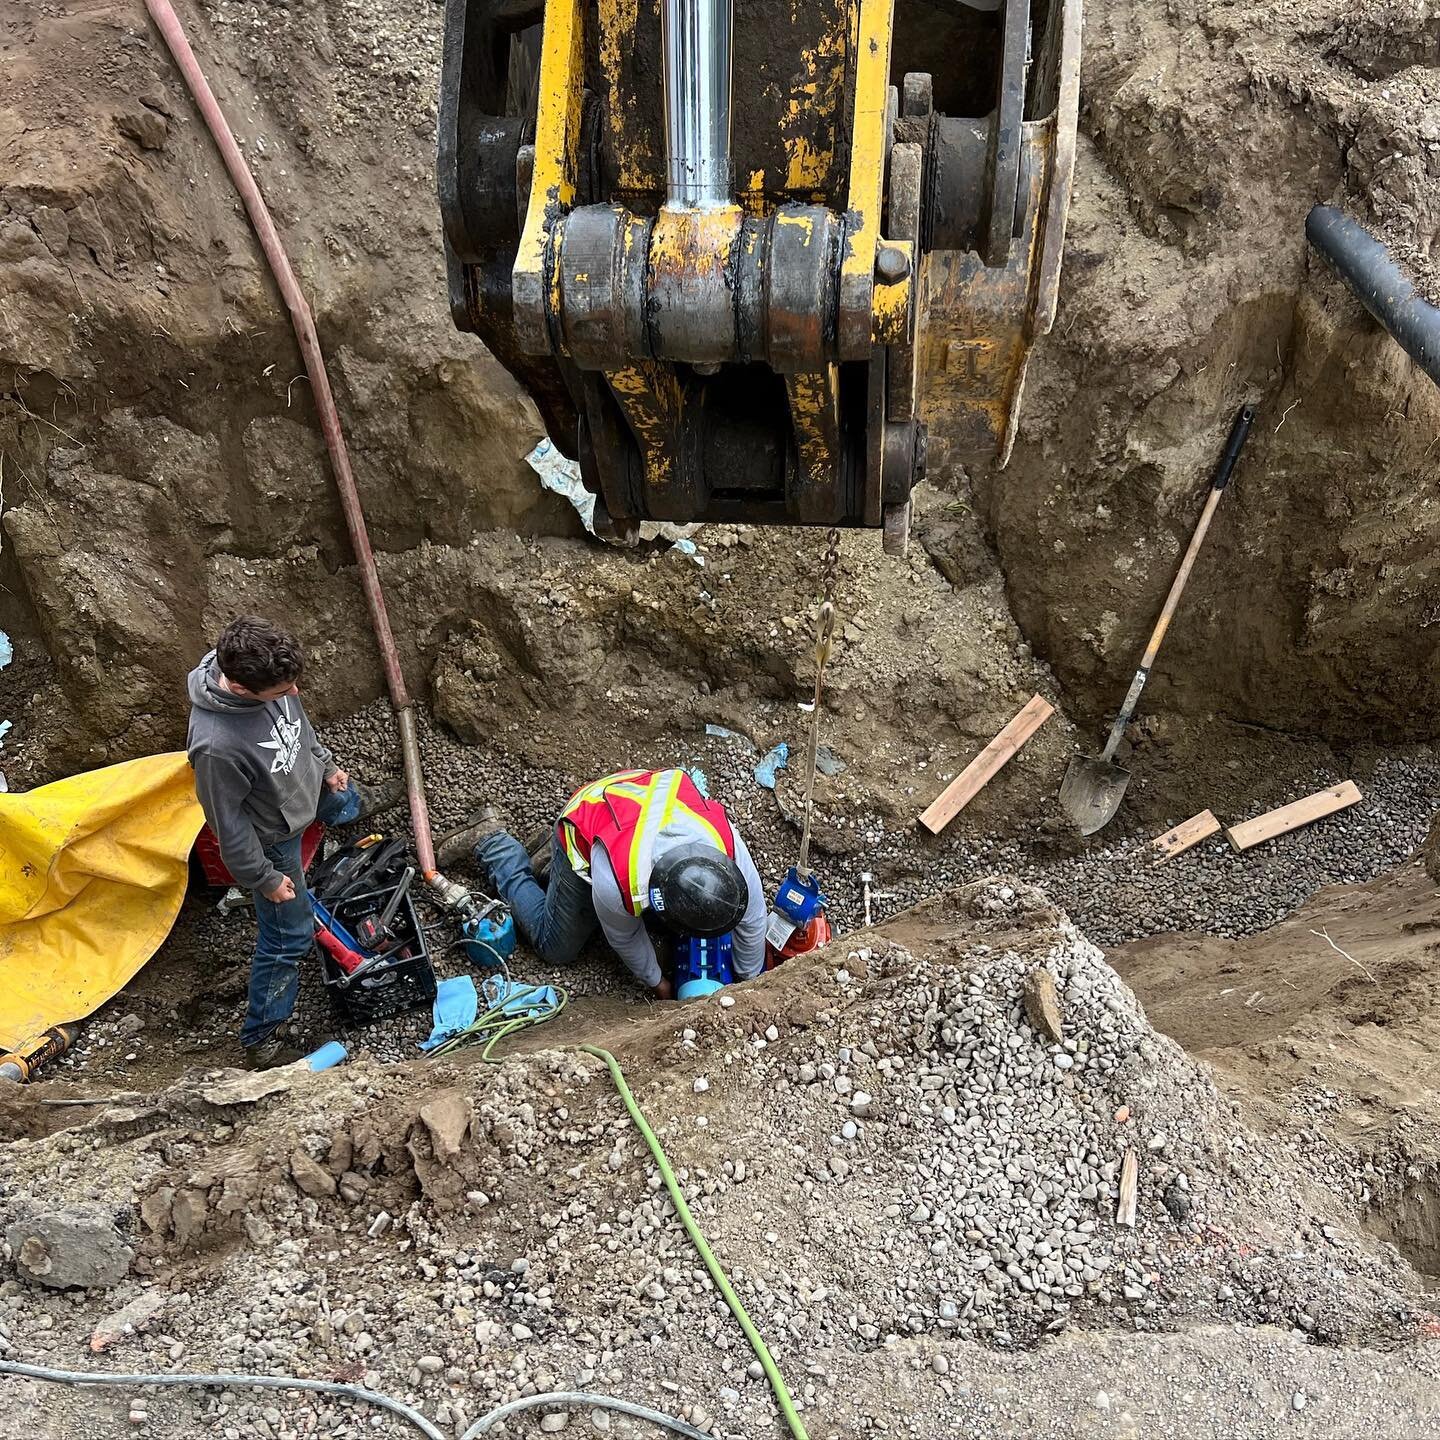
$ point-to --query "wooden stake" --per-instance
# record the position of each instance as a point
(1184, 835)
(986, 765)
(1129, 1190)
(1293, 816)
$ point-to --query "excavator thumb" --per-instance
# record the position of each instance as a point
(758, 260)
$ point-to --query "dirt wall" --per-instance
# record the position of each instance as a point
(162, 464)
(1209, 132)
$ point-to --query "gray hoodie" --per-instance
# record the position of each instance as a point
(259, 771)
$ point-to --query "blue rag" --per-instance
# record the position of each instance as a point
(456, 1006)
(517, 998)
(775, 760)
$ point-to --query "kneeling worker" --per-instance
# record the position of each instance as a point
(643, 842)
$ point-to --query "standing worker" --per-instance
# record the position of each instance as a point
(262, 777)
(637, 845)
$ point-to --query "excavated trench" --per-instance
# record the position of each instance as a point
(161, 470)
(1410, 1221)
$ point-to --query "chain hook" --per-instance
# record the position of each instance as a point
(824, 637)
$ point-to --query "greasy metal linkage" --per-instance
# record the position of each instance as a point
(750, 284)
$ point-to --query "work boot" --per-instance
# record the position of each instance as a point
(375, 798)
(272, 1052)
(460, 844)
(537, 846)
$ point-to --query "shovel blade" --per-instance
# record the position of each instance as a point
(1091, 792)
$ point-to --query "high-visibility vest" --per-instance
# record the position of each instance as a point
(635, 815)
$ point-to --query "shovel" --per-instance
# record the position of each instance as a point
(1093, 788)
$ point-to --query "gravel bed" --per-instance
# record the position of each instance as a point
(1113, 889)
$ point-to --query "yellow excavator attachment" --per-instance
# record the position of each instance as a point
(764, 261)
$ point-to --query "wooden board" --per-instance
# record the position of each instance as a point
(986, 765)
(1185, 834)
(1293, 816)
(1129, 1190)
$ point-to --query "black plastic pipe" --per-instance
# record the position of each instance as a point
(1380, 285)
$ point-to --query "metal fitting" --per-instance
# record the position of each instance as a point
(892, 264)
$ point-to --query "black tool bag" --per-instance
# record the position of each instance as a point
(371, 864)
(357, 881)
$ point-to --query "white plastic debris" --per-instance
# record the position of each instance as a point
(562, 476)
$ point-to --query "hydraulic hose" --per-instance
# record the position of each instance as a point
(697, 1238)
(173, 33)
(594, 1402)
(1379, 284)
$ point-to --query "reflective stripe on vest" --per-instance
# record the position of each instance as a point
(631, 814)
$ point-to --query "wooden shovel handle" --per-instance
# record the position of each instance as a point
(1238, 431)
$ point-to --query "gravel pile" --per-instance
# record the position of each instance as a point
(879, 1152)
(977, 1160)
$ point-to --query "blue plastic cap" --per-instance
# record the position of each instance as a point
(694, 989)
(329, 1054)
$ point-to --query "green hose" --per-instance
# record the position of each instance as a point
(692, 1228)
(495, 1025)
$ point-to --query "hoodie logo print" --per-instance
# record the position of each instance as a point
(285, 741)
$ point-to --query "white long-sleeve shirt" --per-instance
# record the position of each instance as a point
(630, 940)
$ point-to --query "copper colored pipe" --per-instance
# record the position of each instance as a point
(168, 24)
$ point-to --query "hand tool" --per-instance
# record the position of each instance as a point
(374, 930)
(1093, 787)
(23, 1062)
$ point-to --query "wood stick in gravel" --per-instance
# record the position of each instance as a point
(986, 765)
(1185, 834)
(1129, 1190)
(1293, 816)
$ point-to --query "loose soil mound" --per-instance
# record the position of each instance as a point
(879, 1142)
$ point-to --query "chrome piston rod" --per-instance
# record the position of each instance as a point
(697, 40)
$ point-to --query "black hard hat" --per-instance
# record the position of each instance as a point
(698, 890)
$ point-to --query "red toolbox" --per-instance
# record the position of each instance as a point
(207, 852)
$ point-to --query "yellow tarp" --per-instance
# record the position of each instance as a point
(92, 875)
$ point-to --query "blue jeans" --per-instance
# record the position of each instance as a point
(556, 919)
(286, 932)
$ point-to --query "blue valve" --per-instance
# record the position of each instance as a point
(703, 966)
(489, 939)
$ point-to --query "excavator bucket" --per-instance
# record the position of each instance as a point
(758, 260)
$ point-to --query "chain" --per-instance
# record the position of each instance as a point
(824, 637)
